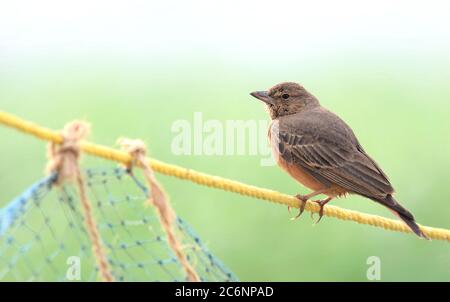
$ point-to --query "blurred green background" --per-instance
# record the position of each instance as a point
(396, 99)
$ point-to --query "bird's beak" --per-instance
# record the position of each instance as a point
(263, 96)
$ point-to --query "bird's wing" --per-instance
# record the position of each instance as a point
(339, 163)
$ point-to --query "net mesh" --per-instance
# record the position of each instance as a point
(43, 235)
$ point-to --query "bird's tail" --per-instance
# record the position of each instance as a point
(402, 213)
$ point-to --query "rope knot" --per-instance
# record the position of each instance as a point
(137, 150)
(63, 159)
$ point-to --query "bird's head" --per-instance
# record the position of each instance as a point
(285, 99)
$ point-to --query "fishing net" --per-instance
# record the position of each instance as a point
(43, 234)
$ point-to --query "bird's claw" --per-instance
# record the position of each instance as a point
(302, 200)
(321, 203)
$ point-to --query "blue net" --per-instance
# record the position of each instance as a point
(43, 235)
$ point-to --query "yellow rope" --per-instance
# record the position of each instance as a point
(219, 182)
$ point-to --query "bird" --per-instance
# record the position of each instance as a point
(320, 151)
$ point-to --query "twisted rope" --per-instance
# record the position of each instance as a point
(158, 199)
(63, 160)
(219, 182)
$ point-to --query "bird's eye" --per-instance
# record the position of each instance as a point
(285, 96)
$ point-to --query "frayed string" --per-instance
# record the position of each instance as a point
(158, 199)
(63, 160)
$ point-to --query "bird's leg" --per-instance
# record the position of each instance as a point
(321, 203)
(303, 199)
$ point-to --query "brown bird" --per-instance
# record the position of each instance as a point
(320, 151)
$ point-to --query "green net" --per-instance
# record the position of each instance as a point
(43, 235)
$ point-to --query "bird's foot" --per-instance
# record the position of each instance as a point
(303, 199)
(322, 204)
